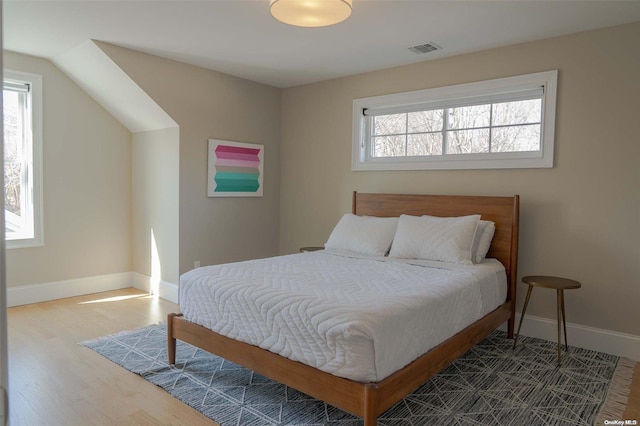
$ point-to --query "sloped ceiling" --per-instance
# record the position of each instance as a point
(105, 82)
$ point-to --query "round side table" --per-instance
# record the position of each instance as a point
(308, 249)
(560, 285)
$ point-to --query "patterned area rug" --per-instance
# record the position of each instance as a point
(490, 385)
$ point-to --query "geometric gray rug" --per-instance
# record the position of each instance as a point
(489, 385)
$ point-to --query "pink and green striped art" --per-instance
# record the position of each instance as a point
(235, 169)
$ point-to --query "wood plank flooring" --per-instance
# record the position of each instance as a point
(53, 381)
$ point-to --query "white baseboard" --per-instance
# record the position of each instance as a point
(34, 293)
(597, 339)
(43, 292)
(164, 290)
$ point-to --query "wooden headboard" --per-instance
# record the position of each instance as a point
(504, 211)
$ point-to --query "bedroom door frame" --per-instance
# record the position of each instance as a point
(4, 349)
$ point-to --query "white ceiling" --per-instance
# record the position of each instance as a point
(239, 37)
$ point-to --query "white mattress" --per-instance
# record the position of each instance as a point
(356, 317)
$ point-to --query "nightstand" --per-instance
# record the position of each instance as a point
(311, 248)
(560, 285)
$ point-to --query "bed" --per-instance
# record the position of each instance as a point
(364, 395)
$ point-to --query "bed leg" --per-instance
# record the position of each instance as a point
(171, 341)
(370, 405)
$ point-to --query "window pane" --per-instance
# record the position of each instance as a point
(516, 138)
(12, 150)
(501, 123)
(11, 126)
(519, 112)
(468, 141)
(22, 94)
(390, 124)
(425, 121)
(424, 144)
(388, 146)
(17, 224)
(12, 173)
(469, 117)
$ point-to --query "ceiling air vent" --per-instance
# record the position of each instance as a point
(425, 48)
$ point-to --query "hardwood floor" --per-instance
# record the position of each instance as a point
(53, 381)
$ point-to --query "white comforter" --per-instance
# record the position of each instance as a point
(354, 317)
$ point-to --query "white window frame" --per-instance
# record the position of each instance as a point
(34, 181)
(458, 95)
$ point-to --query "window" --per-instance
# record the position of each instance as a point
(495, 124)
(22, 111)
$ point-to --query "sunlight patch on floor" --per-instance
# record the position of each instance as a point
(117, 298)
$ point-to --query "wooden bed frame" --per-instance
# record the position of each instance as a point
(369, 400)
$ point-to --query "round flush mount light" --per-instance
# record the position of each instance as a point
(311, 13)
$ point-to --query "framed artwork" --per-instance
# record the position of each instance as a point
(235, 169)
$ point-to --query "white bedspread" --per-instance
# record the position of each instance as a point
(351, 316)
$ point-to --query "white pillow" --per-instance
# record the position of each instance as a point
(482, 240)
(447, 239)
(363, 234)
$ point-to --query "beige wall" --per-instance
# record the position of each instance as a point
(155, 181)
(580, 219)
(208, 104)
(87, 186)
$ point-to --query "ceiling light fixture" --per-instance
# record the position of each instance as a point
(311, 13)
